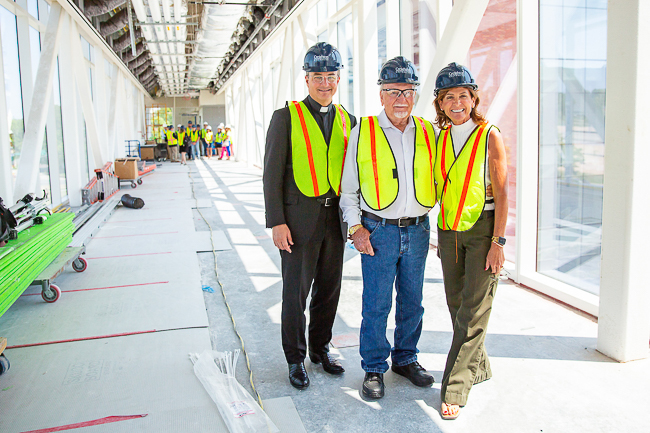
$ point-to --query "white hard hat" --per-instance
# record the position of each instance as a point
(179, 125)
(228, 126)
(209, 127)
(205, 123)
(220, 125)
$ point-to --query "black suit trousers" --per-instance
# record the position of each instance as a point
(317, 265)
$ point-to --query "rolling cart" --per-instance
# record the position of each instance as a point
(70, 256)
(4, 362)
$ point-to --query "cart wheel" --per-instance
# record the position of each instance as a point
(4, 364)
(80, 264)
(139, 181)
(51, 295)
(133, 185)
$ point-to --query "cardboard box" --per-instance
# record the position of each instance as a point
(126, 168)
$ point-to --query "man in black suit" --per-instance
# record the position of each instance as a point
(305, 148)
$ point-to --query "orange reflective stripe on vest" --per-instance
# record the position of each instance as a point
(468, 177)
(310, 155)
(345, 141)
(373, 152)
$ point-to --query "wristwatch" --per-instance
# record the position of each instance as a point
(499, 240)
(352, 230)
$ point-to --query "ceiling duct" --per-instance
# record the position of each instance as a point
(214, 38)
(114, 24)
(139, 69)
(139, 61)
(93, 8)
(139, 50)
(124, 41)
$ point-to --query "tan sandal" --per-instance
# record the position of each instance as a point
(449, 411)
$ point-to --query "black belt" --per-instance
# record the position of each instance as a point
(400, 222)
(486, 214)
(328, 201)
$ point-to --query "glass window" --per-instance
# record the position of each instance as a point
(44, 164)
(573, 46)
(322, 37)
(60, 149)
(12, 85)
(381, 32)
(32, 8)
(345, 41)
(87, 49)
(490, 57)
(410, 30)
(341, 3)
(321, 12)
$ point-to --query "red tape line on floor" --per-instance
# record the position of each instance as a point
(126, 255)
(102, 288)
(107, 420)
(138, 234)
(136, 221)
(98, 337)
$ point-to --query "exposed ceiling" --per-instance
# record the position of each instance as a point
(177, 47)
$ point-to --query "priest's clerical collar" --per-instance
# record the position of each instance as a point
(317, 107)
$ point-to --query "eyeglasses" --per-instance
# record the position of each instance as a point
(395, 93)
(330, 78)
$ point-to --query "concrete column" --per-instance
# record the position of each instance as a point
(392, 29)
(623, 325)
(368, 54)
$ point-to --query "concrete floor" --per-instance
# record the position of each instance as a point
(548, 377)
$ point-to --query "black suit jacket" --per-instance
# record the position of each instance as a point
(285, 204)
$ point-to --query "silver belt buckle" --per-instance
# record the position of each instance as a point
(327, 201)
(399, 221)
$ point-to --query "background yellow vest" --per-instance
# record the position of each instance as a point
(171, 141)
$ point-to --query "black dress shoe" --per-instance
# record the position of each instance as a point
(330, 364)
(298, 376)
(415, 373)
(373, 385)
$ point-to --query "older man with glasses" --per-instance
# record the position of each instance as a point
(387, 191)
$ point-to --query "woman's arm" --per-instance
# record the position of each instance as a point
(497, 160)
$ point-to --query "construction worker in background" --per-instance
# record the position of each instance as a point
(172, 143)
(194, 141)
(305, 148)
(183, 144)
(387, 192)
(226, 142)
(188, 131)
(204, 143)
(218, 139)
(209, 137)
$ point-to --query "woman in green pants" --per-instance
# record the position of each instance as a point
(470, 157)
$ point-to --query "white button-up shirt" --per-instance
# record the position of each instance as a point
(403, 146)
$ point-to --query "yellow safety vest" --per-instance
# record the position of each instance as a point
(377, 167)
(171, 140)
(202, 133)
(194, 135)
(208, 136)
(181, 138)
(460, 179)
(317, 166)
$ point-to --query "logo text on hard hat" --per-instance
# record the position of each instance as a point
(456, 74)
(319, 58)
(402, 70)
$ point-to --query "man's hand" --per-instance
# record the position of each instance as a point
(361, 239)
(495, 259)
(282, 237)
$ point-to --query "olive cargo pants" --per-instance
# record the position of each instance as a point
(470, 290)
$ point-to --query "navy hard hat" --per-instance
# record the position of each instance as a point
(454, 75)
(398, 70)
(322, 57)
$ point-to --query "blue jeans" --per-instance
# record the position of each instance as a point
(400, 256)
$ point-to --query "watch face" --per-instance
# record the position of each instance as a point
(502, 241)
